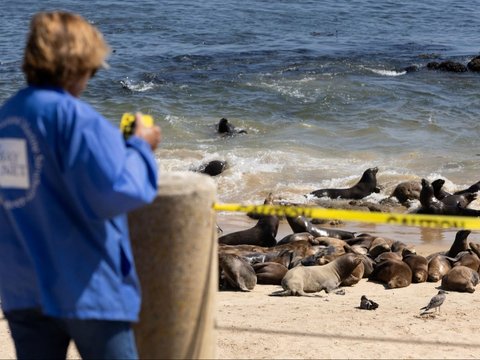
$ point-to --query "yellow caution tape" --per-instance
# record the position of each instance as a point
(421, 220)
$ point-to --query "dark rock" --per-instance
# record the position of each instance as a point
(448, 65)
(474, 64)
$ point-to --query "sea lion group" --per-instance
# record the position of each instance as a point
(311, 264)
(312, 258)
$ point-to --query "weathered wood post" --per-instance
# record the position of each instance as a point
(174, 243)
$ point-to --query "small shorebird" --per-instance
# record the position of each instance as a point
(435, 302)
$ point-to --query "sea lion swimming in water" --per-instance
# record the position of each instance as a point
(225, 127)
(365, 186)
(212, 168)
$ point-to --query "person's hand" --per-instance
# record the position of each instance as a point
(152, 134)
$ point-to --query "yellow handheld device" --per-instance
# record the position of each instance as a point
(127, 123)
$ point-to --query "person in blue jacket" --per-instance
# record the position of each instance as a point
(67, 180)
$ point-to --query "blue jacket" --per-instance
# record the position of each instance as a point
(67, 180)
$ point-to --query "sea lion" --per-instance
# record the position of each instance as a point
(407, 191)
(471, 189)
(368, 264)
(419, 266)
(338, 244)
(262, 234)
(459, 199)
(212, 168)
(297, 251)
(398, 247)
(323, 256)
(296, 237)
(438, 189)
(366, 186)
(355, 276)
(459, 244)
(301, 224)
(438, 267)
(474, 64)
(242, 249)
(467, 258)
(393, 273)
(431, 205)
(309, 279)
(475, 248)
(237, 272)
(359, 249)
(460, 278)
(225, 127)
(363, 240)
(378, 246)
(386, 256)
(270, 273)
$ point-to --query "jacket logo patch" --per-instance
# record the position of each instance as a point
(14, 164)
(21, 163)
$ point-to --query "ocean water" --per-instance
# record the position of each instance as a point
(319, 86)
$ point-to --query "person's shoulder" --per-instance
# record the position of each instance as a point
(75, 108)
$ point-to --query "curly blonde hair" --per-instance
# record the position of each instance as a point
(61, 47)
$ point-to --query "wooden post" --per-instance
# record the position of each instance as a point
(174, 243)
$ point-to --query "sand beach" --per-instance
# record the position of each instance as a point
(254, 325)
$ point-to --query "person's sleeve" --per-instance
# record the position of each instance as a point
(106, 175)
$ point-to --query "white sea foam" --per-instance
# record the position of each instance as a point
(140, 86)
(384, 72)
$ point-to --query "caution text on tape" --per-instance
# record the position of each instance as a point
(420, 220)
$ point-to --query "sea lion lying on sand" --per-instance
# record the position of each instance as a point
(438, 267)
(236, 272)
(460, 278)
(309, 279)
(301, 224)
(419, 266)
(393, 273)
(270, 273)
(262, 234)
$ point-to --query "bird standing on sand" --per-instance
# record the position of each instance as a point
(435, 302)
(367, 304)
